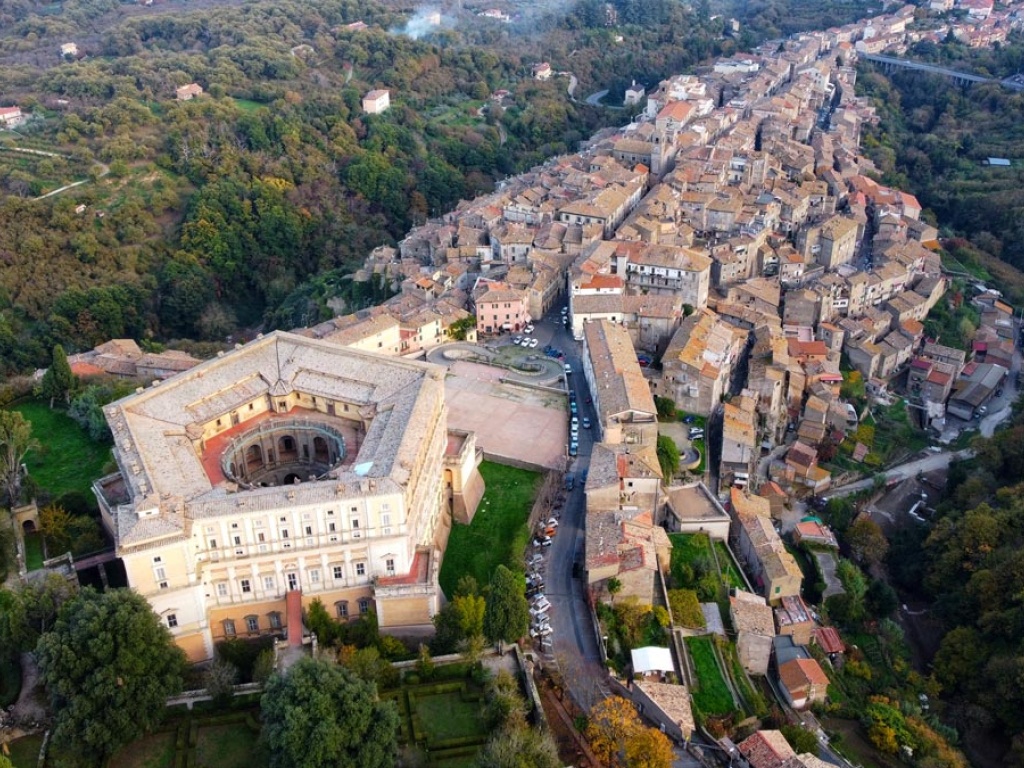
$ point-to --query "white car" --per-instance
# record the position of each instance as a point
(516, 339)
(537, 614)
(533, 343)
(541, 604)
(542, 632)
(552, 522)
(528, 329)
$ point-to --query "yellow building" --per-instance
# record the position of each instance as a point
(290, 465)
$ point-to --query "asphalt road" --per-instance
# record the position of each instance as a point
(573, 642)
(902, 472)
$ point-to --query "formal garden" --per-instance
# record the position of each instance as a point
(442, 719)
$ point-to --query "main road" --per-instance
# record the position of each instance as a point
(573, 645)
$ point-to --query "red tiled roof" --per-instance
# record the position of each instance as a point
(829, 640)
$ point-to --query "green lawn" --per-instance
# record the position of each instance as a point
(498, 534)
(33, 551)
(447, 716)
(67, 459)
(712, 697)
(25, 751)
(228, 746)
(153, 751)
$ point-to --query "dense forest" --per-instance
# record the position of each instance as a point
(970, 567)
(935, 137)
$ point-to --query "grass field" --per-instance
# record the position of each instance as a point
(228, 746)
(246, 105)
(25, 751)
(33, 551)
(447, 716)
(498, 534)
(153, 751)
(713, 696)
(67, 459)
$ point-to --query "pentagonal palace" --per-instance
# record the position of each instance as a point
(286, 470)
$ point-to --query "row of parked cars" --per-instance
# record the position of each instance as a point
(525, 341)
(540, 623)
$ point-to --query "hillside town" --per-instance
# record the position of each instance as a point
(716, 272)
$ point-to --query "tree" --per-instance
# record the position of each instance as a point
(319, 715)
(519, 747)
(619, 738)
(55, 525)
(220, 681)
(867, 543)
(263, 668)
(614, 587)
(666, 407)
(58, 381)
(880, 600)
(109, 665)
(31, 609)
(668, 456)
(470, 609)
(15, 441)
(507, 617)
(800, 739)
(648, 748)
(7, 539)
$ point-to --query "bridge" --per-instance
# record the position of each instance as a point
(891, 63)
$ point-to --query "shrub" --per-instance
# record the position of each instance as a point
(686, 609)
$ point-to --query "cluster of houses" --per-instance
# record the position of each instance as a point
(732, 228)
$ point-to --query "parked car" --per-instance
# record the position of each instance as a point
(541, 603)
(516, 339)
(552, 522)
(542, 632)
(568, 369)
(542, 541)
(574, 449)
(533, 343)
(570, 482)
(689, 418)
(537, 612)
(535, 559)
(565, 310)
(586, 422)
(696, 434)
(528, 329)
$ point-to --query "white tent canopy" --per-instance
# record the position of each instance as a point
(652, 659)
